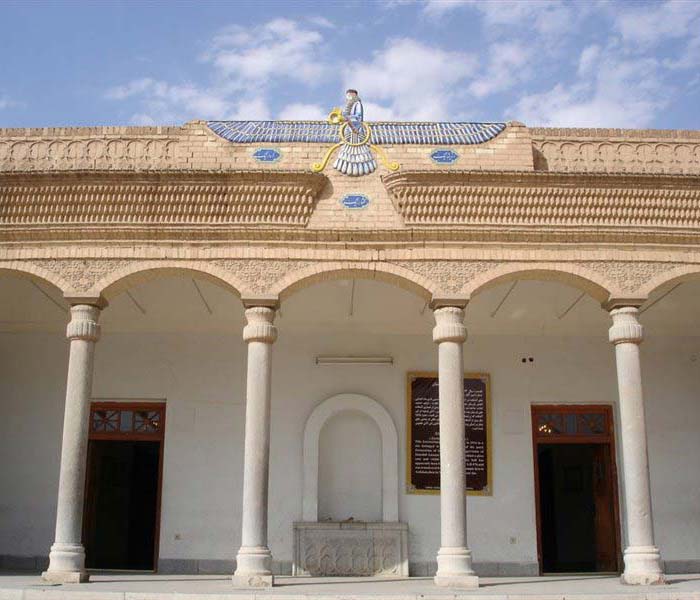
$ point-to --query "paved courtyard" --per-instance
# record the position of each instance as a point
(141, 586)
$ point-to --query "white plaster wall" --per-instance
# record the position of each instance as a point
(350, 468)
(202, 378)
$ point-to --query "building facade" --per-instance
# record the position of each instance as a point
(174, 430)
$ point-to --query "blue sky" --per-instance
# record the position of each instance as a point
(575, 64)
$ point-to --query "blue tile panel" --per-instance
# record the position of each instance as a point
(266, 132)
(355, 201)
(267, 155)
(444, 157)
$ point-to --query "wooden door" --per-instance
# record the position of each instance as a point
(590, 426)
(125, 453)
(604, 514)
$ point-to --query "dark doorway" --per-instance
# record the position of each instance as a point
(576, 491)
(123, 494)
(123, 483)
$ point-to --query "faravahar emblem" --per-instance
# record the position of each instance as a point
(355, 141)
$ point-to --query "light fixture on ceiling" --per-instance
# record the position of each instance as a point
(354, 360)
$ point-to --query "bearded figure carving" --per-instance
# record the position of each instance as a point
(355, 156)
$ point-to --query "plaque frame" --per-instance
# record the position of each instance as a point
(410, 488)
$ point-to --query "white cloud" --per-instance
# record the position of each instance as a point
(654, 22)
(171, 103)
(546, 17)
(410, 79)
(303, 112)
(132, 88)
(623, 92)
(438, 8)
(248, 62)
(7, 102)
(588, 59)
(506, 67)
(320, 21)
(279, 48)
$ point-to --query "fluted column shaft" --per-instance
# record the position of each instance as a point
(641, 556)
(254, 560)
(67, 556)
(454, 558)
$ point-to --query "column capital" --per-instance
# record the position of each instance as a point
(260, 326)
(449, 325)
(83, 324)
(626, 327)
(94, 300)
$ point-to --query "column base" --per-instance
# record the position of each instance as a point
(253, 581)
(253, 568)
(642, 566)
(66, 564)
(65, 576)
(454, 569)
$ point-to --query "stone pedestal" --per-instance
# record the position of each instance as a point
(454, 560)
(336, 548)
(67, 556)
(642, 558)
(254, 560)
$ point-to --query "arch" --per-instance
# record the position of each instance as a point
(390, 455)
(670, 277)
(121, 279)
(381, 271)
(31, 271)
(573, 275)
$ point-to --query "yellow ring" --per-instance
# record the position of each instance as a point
(344, 126)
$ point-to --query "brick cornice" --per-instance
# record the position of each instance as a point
(258, 206)
(137, 199)
(528, 179)
(547, 202)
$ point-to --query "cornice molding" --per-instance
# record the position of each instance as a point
(548, 201)
(118, 199)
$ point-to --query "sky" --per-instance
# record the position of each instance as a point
(553, 63)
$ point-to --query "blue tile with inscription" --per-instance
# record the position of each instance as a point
(355, 201)
(267, 155)
(444, 157)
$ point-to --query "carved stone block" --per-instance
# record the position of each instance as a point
(350, 549)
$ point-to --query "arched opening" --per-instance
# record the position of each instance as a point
(383, 272)
(574, 276)
(358, 426)
(33, 360)
(123, 279)
(350, 489)
(542, 336)
(171, 340)
(350, 493)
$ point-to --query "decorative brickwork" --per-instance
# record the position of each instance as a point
(616, 151)
(504, 199)
(93, 211)
(247, 197)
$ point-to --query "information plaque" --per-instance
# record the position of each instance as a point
(423, 432)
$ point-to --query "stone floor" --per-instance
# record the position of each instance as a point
(148, 586)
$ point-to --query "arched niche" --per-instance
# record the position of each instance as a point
(390, 458)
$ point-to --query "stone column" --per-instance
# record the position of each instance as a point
(642, 557)
(454, 559)
(67, 556)
(254, 560)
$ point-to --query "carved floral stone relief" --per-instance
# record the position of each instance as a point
(261, 275)
(447, 275)
(82, 274)
(629, 276)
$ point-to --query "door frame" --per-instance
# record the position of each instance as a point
(117, 434)
(607, 438)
